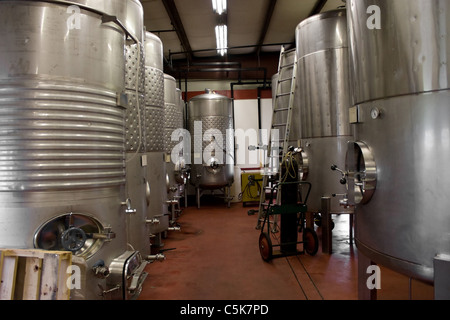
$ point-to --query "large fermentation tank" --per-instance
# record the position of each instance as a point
(62, 166)
(323, 99)
(399, 160)
(157, 177)
(211, 124)
(137, 188)
(174, 121)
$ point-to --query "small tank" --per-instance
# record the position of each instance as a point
(210, 118)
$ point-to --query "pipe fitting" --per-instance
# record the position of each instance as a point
(156, 257)
(152, 221)
(100, 270)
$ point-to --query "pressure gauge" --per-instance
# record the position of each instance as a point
(375, 113)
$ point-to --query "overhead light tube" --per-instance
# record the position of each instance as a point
(222, 39)
(219, 6)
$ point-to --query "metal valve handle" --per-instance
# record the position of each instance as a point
(73, 239)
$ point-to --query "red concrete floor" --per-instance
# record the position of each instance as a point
(216, 256)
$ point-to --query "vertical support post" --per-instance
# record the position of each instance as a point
(326, 225)
(198, 198)
(351, 229)
(442, 277)
(310, 220)
(364, 293)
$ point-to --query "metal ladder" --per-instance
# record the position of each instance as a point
(275, 144)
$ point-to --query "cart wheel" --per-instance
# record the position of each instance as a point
(310, 241)
(265, 246)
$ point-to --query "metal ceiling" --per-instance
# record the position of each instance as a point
(256, 31)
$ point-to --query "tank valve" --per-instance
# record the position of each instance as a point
(100, 270)
(343, 202)
(128, 209)
(156, 257)
(152, 221)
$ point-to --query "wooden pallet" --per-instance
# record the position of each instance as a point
(31, 274)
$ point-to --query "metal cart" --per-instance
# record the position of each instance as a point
(295, 212)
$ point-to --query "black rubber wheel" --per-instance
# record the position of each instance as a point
(310, 241)
(265, 246)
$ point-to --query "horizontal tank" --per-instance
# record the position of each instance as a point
(398, 163)
(323, 98)
(62, 168)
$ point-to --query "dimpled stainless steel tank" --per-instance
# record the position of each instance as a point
(210, 115)
(174, 120)
(157, 177)
(137, 187)
(323, 99)
(62, 168)
(399, 161)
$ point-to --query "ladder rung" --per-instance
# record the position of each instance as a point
(289, 51)
(287, 65)
(279, 125)
(284, 80)
(281, 110)
(283, 94)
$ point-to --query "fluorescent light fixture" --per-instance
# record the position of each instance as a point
(219, 6)
(222, 39)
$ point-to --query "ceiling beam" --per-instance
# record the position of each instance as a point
(175, 18)
(266, 24)
(318, 7)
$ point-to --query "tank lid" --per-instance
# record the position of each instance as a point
(210, 95)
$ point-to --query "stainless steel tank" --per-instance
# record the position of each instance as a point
(211, 124)
(181, 168)
(157, 177)
(137, 187)
(62, 168)
(174, 120)
(323, 100)
(398, 163)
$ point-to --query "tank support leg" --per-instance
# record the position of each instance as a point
(198, 198)
(364, 293)
(442, 277)
(326, 226)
